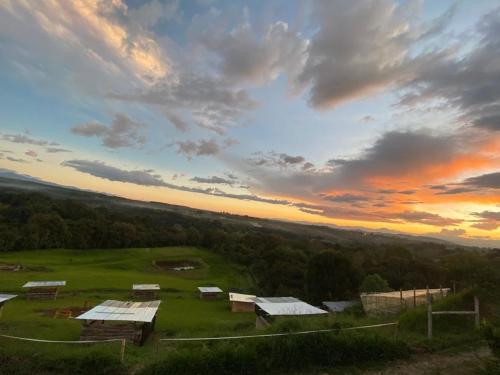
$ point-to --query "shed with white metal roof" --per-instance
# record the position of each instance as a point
(209, 292)
(43, 289)
(146, 291)
(3, 299)
(242, 302)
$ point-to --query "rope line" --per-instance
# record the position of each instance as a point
(60, 342)
(277, 334)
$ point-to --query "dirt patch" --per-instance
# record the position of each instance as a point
(10, 267)
(437, 363)
(64, 312)
(177, 265)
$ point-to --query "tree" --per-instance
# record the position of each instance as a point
(374, 283)
(331, 276)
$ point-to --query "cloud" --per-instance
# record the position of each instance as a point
(212, 180)
(345, 198)
(427, 218)
(26, 139)
(204, 147)
(151, 13)
(55, 150)
(245, 57)
(367, 119)
(102, 170)
(31, 153)
(149, 178)
(468, 80)
(16, 160)
(489, 180)
(282, 160)
(123, 132)
(177, 121)
(343, 64)
(213, 102)
(488, 220)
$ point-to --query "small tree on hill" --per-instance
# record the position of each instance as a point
(374, 283)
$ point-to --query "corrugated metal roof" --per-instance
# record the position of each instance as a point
(277, 299)
(146, 287)
(38, 284)
(237, 297)
(209, 289)
(6, 297)
(290, 309)
(123, 311)
(339, 306)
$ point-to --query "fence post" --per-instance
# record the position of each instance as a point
(429, 316)
(122, 350)
(414, 297)
(476, 311)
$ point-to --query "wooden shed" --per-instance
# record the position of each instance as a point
(43, 289)
(3, 299)
(209, 292)
(394, 302)
(146, 291)
(269, 308)
(133, 321)
(242, 302)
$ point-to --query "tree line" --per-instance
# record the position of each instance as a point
(280, 262)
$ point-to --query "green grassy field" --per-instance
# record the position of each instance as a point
(94, 276)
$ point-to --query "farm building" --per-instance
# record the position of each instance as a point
(269, 308)
(209, 292)
(339, 306)
(43, 289)
(133, 321)
(242, 302)
(394, 302)
(3, 299)
(146, 291)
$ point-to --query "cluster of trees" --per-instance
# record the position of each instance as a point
(281, 262)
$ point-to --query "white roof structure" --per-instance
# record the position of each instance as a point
(247, 298)
(209, 289)
(123, 311)
(42, 284)
(339, 306)
(277, 299)
(289, 308)
(6, 297)
(146, 287)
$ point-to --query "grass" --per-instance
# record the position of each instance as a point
(94, 276)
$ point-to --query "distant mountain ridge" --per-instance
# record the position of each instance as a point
(13, 181)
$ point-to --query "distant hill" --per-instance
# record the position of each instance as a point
(11, 181)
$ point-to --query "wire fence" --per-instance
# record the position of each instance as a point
(123, 342)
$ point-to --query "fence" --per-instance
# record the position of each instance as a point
(122, 341)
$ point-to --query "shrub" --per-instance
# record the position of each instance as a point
(263, 356)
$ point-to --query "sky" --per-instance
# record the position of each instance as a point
(375, 114)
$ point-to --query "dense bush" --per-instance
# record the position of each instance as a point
(94, 363)
(280, 354)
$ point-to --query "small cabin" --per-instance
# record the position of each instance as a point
(394, 302)
(270, 308)
(209, 292)
(146, 291)
(242, 302)
(43, 289)
(133, 321)
(3, 299)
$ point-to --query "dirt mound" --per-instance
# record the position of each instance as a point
(10, 267)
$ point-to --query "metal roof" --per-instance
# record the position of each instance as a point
(209, 289)
(339, 306)
(290, 308)
(41, 284)
(146, 287)
(123, 311)
(277, 299)
(6, 297)
(236, 297)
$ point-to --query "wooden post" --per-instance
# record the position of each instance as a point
(122, 350)
(476, 311)
(414, 297)
(454, 287)
(441, 290)
(401, 298)
(429, 316)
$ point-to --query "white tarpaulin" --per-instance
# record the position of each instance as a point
(43, 284)
(123, 311)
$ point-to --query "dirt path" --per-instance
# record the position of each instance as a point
(463, 363)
